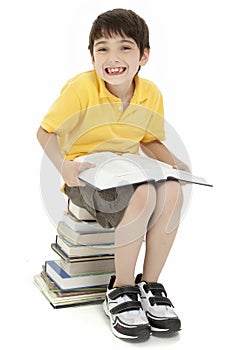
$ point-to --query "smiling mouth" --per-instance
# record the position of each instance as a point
(115, 70)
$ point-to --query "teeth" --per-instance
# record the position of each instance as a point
(115, 70)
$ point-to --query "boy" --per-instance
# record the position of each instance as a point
(112, 109)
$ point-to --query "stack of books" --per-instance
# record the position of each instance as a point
(85, 264)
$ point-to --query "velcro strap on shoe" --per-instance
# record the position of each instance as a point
(126, 306)
(159, 300)
(157, 288)
(120, 291)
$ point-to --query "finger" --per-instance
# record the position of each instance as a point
(86, 165)
(76, 182)
(72, 183)
(81, 183)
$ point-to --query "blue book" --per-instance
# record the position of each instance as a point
(66, 282)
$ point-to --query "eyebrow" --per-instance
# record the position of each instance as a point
(120, 41)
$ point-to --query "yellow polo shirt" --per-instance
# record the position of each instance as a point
(87, 118)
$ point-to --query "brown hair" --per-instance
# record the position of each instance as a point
(125, 23)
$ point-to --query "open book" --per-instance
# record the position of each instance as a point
(114, 170)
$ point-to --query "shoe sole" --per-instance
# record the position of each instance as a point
(143, 334)
(165, 326)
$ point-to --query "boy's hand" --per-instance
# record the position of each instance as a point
(181, 166)
(70, 171)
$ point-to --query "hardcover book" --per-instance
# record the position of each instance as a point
(65, 281)
(114, 170)
(77, 237)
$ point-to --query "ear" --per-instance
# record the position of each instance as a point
(145, 57)
(92, 60)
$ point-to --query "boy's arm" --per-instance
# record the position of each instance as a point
(158, 150)
(69, 170)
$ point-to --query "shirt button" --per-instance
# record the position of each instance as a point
(120, 108)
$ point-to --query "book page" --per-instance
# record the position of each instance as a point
(97, 158)
(158, 170)
(114, 170)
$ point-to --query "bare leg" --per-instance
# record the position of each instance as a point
(130, 233)
(163, 228)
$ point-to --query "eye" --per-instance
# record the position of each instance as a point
(102, 49)
(126, 48)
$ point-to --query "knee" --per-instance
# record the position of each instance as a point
(169, 205)
(174, 193)
(145, 191)
(145, 195)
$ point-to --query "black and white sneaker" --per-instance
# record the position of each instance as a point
(158, 308)
(123, 306)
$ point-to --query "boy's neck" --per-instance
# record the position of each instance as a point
(125, 92)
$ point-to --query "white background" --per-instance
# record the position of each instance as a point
(43, 44)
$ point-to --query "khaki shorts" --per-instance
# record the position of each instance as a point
(107, 206)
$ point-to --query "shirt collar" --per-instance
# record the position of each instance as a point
(140, 93)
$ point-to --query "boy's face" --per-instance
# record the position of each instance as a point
(117, 59)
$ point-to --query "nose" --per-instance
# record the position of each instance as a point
(113, 57)
(113, 60)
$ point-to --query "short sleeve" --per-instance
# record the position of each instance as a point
(155, 127)
(62, 115)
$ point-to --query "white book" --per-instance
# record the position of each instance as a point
(65, 281)
(90, 266)
(80, 213)
(65, 301)
(83, 226)
(114, 170)
(77, 237)
(78, 250)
